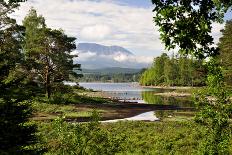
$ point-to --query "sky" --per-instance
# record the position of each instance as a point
(126, 23)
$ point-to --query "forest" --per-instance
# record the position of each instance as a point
(175, 71)
(188, 71)
(113, 75)
(39, 114)
(115, 78)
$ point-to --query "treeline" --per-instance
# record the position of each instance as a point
(110, 77)
(174, 71)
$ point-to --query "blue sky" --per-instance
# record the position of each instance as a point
(136, 3)
(228, 15)
(126, 23)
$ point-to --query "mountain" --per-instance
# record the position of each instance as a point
(96, 56)
(101, 49)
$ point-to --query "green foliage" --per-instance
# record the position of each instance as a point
(16, 133)
(59, 98)
(215, 110)
(188, 25)
(89, 138)
(122, 138)
(114, 74)
(225, 47)
(181, 71)
(48, 53)
(110, 78)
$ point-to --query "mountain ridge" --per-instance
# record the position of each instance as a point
(96, 56)
(102, 49)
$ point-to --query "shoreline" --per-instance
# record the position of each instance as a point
(171, 87)
(124, 110)
(174, 94)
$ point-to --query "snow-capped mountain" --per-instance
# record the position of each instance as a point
(92, 56)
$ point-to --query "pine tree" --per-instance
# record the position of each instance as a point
(225, 45)
(15, 133)
(48, 53)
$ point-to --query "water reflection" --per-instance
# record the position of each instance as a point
(151, 98)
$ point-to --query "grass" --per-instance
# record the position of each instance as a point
(175, 115)
(124, 138)
(191, 90)
(46, 111)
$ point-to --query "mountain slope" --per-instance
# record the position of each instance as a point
(96, 56)
(101, 49)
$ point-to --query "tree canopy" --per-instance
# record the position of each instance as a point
(187, 25)
(175, 71)
(48, 53)
(225, 49)
(15, 133)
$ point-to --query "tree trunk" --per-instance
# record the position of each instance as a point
(47, 83)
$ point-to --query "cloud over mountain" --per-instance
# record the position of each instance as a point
(93, 55)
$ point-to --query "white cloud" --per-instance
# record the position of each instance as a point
(92, 60)
(121, 58)
(144, 59)
(104, 22)
(133, 58)
(216, 31)
(95, 32)
(86, 56)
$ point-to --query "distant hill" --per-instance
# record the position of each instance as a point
(114, 74)
(101, 49)
(95, 56)
(112, 70)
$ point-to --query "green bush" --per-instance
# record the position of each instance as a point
(127, 137)
(59, 98)
(88, 138)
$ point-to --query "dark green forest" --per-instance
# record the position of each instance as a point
(114, 74)
(175, 71)
(116, 78)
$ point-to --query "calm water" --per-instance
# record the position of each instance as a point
(134, 93)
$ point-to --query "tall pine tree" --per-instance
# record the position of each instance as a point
(225, 57)
(15, 133)
(48, 52)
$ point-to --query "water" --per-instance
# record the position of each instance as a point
(147, 116)
(133, 92)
